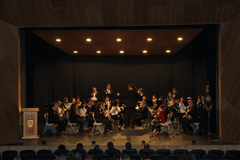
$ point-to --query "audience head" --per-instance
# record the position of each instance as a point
(97, 146)
(17, 157)
(145, 156)
(65, 100)
(79, 146)
(78, 156)
(146, 146)
(61, 146)
(126, 157)
(110, 145)
(128, 145)
(62, 157)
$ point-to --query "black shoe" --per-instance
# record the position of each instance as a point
(132, 127)
(119, 129)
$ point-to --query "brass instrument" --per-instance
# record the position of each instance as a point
(187, 109)
(105, 112)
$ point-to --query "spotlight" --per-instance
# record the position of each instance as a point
(75, 52)
(98, 52)
(118, 39)
(58, 40)
(88, 39)
(144, 51)
(121, 51)
(180, 39)
(168, 51)
(149, 39)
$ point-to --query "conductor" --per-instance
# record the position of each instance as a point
(131, 102)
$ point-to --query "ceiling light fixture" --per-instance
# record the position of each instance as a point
(168, 51)
(121, 51)
(98, 52)
(75, 52)
(88, 40)
(180, 39)
(149, 39)
(118, 39)
(58, 40)
(144, 51)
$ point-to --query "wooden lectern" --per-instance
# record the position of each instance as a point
(30, 123)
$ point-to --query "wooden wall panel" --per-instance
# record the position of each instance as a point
(9, 111)
(229, 70)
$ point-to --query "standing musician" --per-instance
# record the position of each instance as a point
(54, 116)
(65, 105)
(115, 113)
(189, 117)
(102, 117)
(107, 103)
(85, 111)
(143, 114)
(132, 98)
(202, 115)
(159, 118)
(175, 94)
(95, 95)
(108, 92)
(77, 100)
(76, 116)
(169, 97)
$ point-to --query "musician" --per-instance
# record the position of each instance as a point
(90, 105)
(77, 100)
(115, 113)
(202, 115)
(159, 118)
(85, 111)
(55, 117)
(72, 100)
(141, 94)
(144, 98)
(132, 98)
(174, 108)
(107, 103)
(95, 94)
(154, 101)
(143, 114)
(102, 117)
(190, 117)
(169, 97)
(108, 92)
(76, 116)
(175, 94)
(65, 105)
(181, 107)
(165, 109)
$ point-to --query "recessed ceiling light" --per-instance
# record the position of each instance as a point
(118, 39)
(180, 39)
(88, 40)
(168, 51)
(98, 52)
(121, 51)
(149, 39)
(144, 51)
(75, 52)
(58, 40)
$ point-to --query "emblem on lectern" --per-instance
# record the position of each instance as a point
(30, 122)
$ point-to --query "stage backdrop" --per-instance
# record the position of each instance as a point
(52, 74)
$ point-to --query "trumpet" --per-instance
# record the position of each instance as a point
(106, 113)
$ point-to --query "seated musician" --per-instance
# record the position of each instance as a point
(90, 105)
(169, 97)
(154, 101)
(107, 103)
(76, 116)
(143, 114)
(95, 95)
(189, 117)
(159, 118)
(65, 105)
(101, 116)
(174, 108)
(115, 111)
(141, 94)
(73, 100)
(87, 114)
(77, 100)
(181, 106)
(54, 116)
(166, 109)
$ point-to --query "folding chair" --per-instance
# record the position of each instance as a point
(73, 126)
(195, 126)
(49, 126)
(98, 126)
(167, 124)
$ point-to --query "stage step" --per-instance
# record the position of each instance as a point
(137, 131)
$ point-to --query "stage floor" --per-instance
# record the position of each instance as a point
(120, 140)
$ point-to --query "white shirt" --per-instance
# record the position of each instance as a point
(83, 111)
(115, 110)
(181, 106)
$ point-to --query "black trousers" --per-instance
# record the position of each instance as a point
(89, 121)
(61, 125)
(129, 115)
(138, 120)
(186, 124)
(203, 124)
(115, 117)
(80, 122)
(106, 122)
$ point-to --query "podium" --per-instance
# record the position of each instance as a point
(30, 123)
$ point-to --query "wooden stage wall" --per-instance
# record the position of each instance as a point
(9, 83)
(229, 78)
